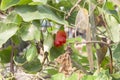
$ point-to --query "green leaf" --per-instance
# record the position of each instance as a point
(89, 77)
(52, 71)
(29, 32)
(38, 2)
(5, 55)
(32, 67)
(23, 2)
(7, 31)
(58, 76)
(103, 75)
(55, 52)
(5, 4)
(48, 43)
(37, 24)
(116, 52)
(109, 5)
(16, 39)
(42, 1)
(13, 18)
(29, 13)
(114, 27)
(116, 76)
(74, 76)
(31, 53)
(73, 40)
(19, 60)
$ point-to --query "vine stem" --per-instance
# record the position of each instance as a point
(11, 59)
(89, 42)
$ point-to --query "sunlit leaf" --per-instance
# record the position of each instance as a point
(38, 2)
(23, 2)
(5, 4)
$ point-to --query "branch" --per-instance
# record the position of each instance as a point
(90, 42)
(71, 10)
(111, 61)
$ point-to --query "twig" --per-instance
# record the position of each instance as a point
(46, 55)
(71, 10)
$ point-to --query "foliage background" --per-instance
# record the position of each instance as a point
(28, 28)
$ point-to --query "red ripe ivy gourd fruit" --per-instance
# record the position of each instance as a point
(60, 38)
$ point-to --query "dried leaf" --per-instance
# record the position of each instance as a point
(101, 54)
(65, 63)
(82, 20)
(99, 21)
